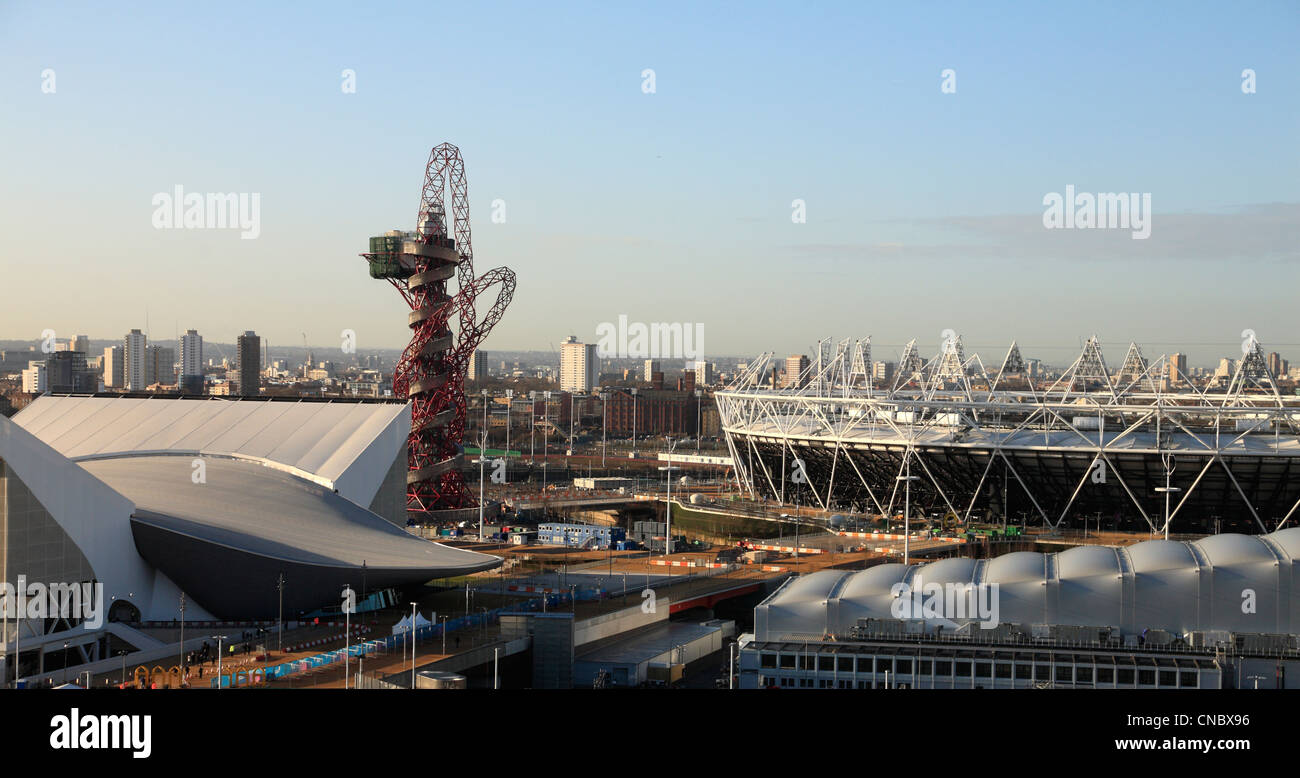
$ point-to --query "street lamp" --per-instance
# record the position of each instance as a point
(699, 393)
(668, 503)
(482, 462)
(604, 416)
(279, 640)
(731, 672)
(510, 404)
(219, 638)
(182, 635)
(1167, 491)
(907, 479)
(634, 422)
(413, 645)
(347, 632)
(546, 434)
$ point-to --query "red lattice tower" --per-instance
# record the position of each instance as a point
(431, 372)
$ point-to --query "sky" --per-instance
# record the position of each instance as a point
(924, 206)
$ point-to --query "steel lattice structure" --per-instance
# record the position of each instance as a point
(431, 372)
(987, 445)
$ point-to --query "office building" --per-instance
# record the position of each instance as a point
(67, 372)
(133, 361)
(478, 369)
(80, 343)
(34, 378)
(112, 364)
(704, 372)
(1177, 368)
(159, 365)
(249, 354)
(191, 375)
(578, 366)
(651, 367)
(795, 365)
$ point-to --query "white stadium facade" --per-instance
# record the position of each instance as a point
(152, 496)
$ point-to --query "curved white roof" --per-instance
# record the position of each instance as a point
(1236, 583)
(347, 445)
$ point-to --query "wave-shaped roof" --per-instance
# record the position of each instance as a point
(226, 539)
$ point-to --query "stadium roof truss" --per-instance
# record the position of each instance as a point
(951, 402)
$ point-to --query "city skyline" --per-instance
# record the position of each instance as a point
(924, 208)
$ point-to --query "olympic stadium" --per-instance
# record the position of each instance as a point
(1140, 447)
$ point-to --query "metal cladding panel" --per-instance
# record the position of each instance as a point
(1235, 550)
(1289, 541)
(1166, 586)
(353, 439)
(160, 424)
(1091, 587)
(87, 435)
(197, 430)
(240, 425)
(1087, 562)
(314, 433)
(866, 594)
(37, 413)
(1016, 567)
(64, 429)
(325, 439)
(1243, 591)
(952, 570)
(1245, 598)
(364, 475)
(800, 605)
(1023, 602)
(1155, 556)
(264, 431)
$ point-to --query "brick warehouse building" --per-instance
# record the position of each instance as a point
(658, 411)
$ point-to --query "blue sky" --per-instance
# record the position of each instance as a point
(924, 209)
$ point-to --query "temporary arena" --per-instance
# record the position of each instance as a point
(152, 496)
(1137, 448)
(1219, 612)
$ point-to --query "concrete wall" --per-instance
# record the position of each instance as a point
(618, 622)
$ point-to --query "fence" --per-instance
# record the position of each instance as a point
(394, 642)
